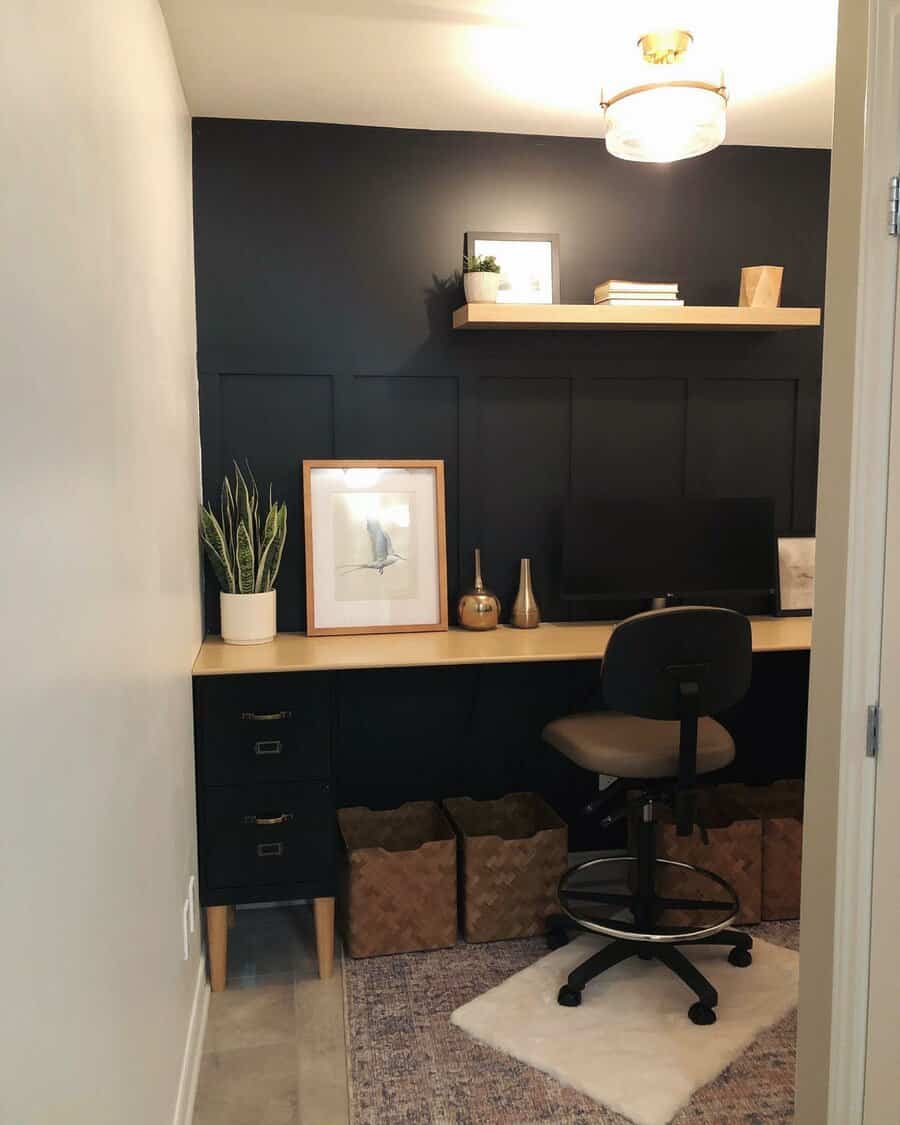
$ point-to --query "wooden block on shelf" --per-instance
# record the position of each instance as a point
(760, 287)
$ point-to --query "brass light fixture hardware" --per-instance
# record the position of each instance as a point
(664, 46)
(678, 115)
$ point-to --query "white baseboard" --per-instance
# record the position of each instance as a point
(193, 1049)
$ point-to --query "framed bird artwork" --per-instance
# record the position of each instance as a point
(376, 546)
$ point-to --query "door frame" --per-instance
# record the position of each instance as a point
(847, 636)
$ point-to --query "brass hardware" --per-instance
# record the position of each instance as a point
(683, 83)
(263, 850)
(478, 608)
(665, 46)
(268, 821)
(265, 716)
(269, 746)
(525, 612)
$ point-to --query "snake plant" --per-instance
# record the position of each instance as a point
(244, 554)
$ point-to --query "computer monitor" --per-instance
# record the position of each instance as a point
(698, 548)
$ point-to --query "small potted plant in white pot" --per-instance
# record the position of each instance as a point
(245, 554)
(481, 278)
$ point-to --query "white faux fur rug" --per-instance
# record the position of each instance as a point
(631, 1045)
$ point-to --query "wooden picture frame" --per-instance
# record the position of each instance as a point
(473, 238)
(796, 576)
(335, 615)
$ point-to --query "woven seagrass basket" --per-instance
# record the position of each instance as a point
(779, 807)
(512, 854)
(399, 879)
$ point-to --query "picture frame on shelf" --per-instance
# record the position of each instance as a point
(796, 576)
(529, 265)
(376, 546)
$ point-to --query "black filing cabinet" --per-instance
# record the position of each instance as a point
(265, 790)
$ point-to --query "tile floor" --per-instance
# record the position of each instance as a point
(274, 1050)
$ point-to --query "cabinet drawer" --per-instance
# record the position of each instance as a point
(261, 835)
(264, 728)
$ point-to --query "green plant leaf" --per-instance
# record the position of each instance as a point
(254, 509)
(269, 572)
(268, 538)
(227, 510)
(243, 501)
(271, 520)
(244, 559)
(216, 547)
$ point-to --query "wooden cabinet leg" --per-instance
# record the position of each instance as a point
(217, 946)
(323, 911)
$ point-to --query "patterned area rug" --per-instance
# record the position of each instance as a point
(409, 1066)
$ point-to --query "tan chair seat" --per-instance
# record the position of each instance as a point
(624, 746)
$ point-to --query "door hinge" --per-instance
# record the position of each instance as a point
(894, 207)
(872, 716)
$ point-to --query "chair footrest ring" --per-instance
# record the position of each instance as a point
(569, 898)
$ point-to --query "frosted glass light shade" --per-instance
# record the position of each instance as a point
(665, 123)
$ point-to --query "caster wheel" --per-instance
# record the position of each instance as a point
(556, 939)
(699, 1013)
(740, 957)
(570, 997)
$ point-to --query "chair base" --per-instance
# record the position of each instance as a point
(644, 936)
(701, 1012)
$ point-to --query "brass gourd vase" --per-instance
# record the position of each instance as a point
(478, 608)
(525, 612)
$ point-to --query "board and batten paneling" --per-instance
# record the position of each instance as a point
(326, 268)
(325, 259)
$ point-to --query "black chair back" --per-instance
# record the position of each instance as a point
(679, 664)
(650, 655)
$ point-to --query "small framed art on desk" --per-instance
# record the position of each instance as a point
(376, 556)
(796, 576)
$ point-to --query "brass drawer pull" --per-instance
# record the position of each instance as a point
(263, 850)
(265, 716)
(268, 821)
(262, 748)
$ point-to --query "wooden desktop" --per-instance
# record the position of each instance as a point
(296, 652)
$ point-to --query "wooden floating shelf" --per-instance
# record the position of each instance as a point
(655, 318)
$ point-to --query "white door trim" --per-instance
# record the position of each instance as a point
(865, 566)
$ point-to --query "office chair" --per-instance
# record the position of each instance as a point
(664, 673)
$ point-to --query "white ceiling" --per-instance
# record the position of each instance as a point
(508, 66)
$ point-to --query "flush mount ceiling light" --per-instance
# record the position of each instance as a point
(674, 110)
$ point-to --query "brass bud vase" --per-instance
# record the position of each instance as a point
(525, 612)
(478, 608)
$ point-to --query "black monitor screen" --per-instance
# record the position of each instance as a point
(647, 548)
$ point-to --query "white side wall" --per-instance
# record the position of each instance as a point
(99, 587)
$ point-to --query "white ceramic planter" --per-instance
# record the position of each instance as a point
(481, 288)
(247, 619)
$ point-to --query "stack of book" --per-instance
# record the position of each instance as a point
(637, 293)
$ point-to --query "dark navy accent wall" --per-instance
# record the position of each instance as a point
(325, 257)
